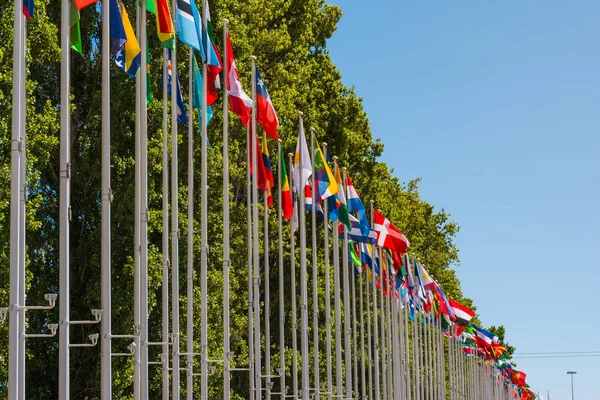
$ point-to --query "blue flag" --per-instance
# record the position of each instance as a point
(188, 25)
(181, 111)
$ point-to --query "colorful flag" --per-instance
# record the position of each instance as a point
(388, 235)
(355, 234)
(149, 96)
(181, 111)
(239, 102)
(354, 257)
(342, 208)
(197, 95)
(268, 170)
(302, 172)
(28, 7)
(355, 204)
(463, 314)
(213, 62)
(164, 24)
(262, 181)
(265, 112)
(128, 54)
(286, 196)
(483, 338)
(188, 22)
(81, 4)
(324, 180)
(75, 30)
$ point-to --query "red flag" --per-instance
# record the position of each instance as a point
(265, 112)
(80, 4)
(239, 102)
(388, 235)
(262, 180)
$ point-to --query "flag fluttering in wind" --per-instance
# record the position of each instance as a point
(265, 112)
(188, 23)
(181, 111)
(355, 204)
(239, 102)
(197, 94)
(270, 181)
(340, 202)
(325, 182)
(28, 8)
(81, 4)
(213, 61)
(75, 34)
(355, 234)
(164, 24)
(302, 171)
(463, 314)
(286, 195)
(388, 235)
(126, 49)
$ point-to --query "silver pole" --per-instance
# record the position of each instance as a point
(257, 354)
(375, 328)
(316, 383)
(382, 329)
(15, 208)
(165, 236)
(293, 284)
(303, 288)
(369, 338)
(327, 295)
(64, 392)
(346, 283)
(407, 353)
(363, 381)
(137, 246)
(251, 393)
(22, 233)
(281, 276)
(354, 332)
(336, 300)
(190, 238)
(226, 260)
(267, 296)
(106, 369)
(144, 203)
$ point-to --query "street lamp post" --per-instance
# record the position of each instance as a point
(572, 390)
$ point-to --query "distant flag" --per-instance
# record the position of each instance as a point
(149, 96)
(128, 54)
(355, 204)
(80, 4)
(388, 235)
(268, 170)
(188, 22)
(302, 172)
(354, 257)
(181, 111)
(286, 196)
(355, 234)
(239, 102)
(262, 181)
(483, 338)
(325, 182)
(463, 314)
(164, 24)
(197, 94)
(213, 62)
(75, 30)
(342, 208)
(421, 294)
(28, 8)
(265, 112)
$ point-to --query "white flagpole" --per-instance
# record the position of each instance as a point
(327, 293)
(375, 328)
(316, 383)
(23, 196)
(249, 233)
(165, 236)
(384, 369)
(106, 362)
(189, 383)
(361, 286)
(256, 256)
(137, 246)
(16, 314)
(369, 338)
(303, 272)
(346, 283)
(281, 277)
(144, 203)
(226, 260)
(293, 284)
(267, 296)
(336, 301)
(64, 392)
(352, 273)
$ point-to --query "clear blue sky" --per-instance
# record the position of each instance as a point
(496, 105)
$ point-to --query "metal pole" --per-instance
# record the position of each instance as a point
(165, 236)
(249, 233)
(369, 338)
(347, 329)
(15, 208)
(316, 382)
(293, 284)
(281, 276)
(190, 238)
(363, 391)
(303, 288)
(226, 259)
(354, 332)
(389, 335)
(65, 200)
(267, 296)
(336, 298)
(137, 307)
(256, 257)
(382, 328)
(375, 328)
(327, 294)
(106, 368)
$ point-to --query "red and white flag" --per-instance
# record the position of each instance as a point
(239, 102)
(388, 235)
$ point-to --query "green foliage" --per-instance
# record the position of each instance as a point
(289, 39)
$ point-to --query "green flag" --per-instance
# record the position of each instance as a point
(354, 256)
(150, 6)
(75, 41)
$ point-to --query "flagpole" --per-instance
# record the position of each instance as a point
(256, 256)
(190, 236)
(267, 296)
(165, 235)
(407, 353)
(64, 392)
(382, 328)
(106, 362)
(144, 202)
(16, 314)
(363, 391)
(303, 272)
(249, 233)
(354, 332)
(23, 196)
(281, 276)
(226, 259)
(374, 301)
(293, 283)
(389, 335)
(369, 338)
(347, 329)
(137, 246)
(336, 301)
(327, 292)
(316, 383)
